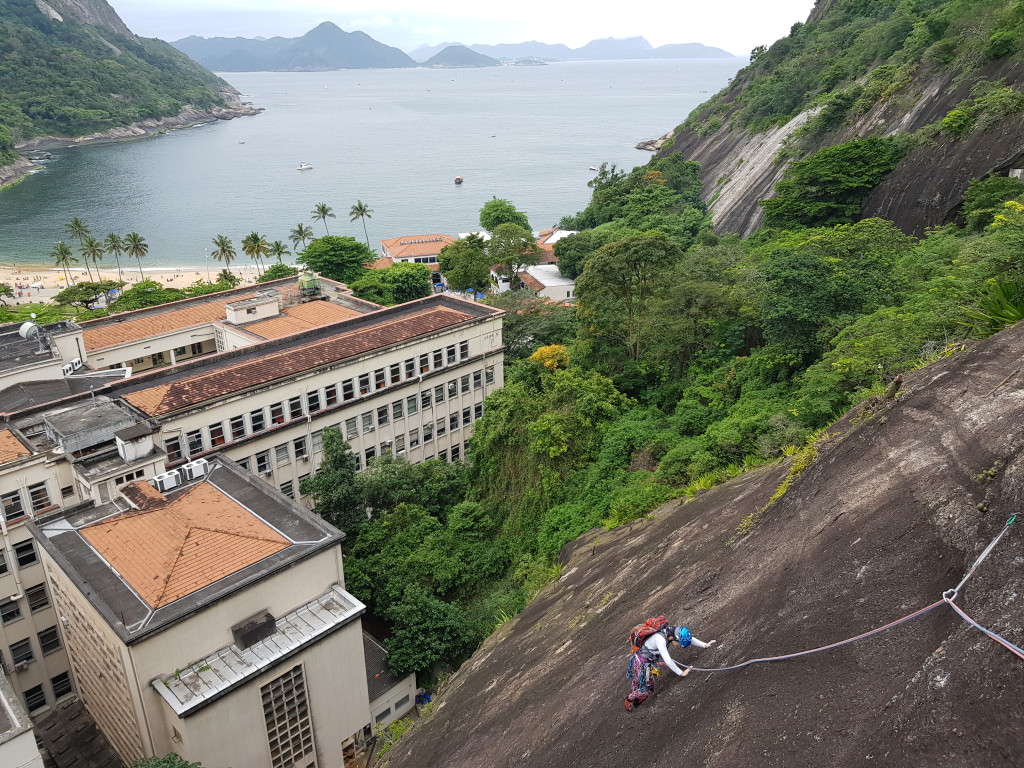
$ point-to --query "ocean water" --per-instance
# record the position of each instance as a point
(394, 139)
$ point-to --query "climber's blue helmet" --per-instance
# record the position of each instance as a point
(682, 636)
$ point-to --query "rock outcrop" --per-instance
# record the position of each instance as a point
(903, 496)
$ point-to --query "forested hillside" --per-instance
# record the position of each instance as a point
(938, 83)
(70, 69)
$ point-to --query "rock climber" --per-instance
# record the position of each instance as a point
(652, 649)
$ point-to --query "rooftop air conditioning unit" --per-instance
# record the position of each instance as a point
(76, 363)
(268, 473)
(167, 481)
(305, 458)
(21, 666)
(195, 469)
(68, 369)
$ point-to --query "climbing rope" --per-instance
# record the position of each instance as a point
(947, 599)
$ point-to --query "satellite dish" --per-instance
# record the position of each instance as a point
(29, 331)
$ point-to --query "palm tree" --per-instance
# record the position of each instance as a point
(63, 258)
(323, 212)
(255, 246)
(361, 211)
(115, 245)
(224, 250)
(279, 249)
(136, 247)
(93, 249)
(78, 230)
(300, 234)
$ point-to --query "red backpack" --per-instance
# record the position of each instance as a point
(643, 631)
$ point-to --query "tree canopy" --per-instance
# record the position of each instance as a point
(466, 265)
(498, 211)
(396, 284)
(337, 258)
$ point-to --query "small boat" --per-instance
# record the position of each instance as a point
(594, 168)
(304, 167)
(241, 142)
(458, 179)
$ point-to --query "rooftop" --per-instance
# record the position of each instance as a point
(416, 245)
(11, 447)
(301, 317)
(379, 679)
(206, 680)
(30, 393)
(544, 275)
(13, 720)
(148, 559)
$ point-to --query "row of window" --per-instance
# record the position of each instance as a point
(23, 653)
(200, 440)
(24, 553)
(35, 697)
(10, 610)
(16, 503)
(398, 447)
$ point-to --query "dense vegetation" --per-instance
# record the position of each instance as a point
(70, 79)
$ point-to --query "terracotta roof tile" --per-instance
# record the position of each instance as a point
(301, 318)
(172, 550)
(531, 282)
(110, 334)
(222, 380)
(142, 495)
(416, 245)
(11, 447)
(382, 263)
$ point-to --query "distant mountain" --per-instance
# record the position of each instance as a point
(612, 48)
(323, 48)
(459, 56)
(531, 49)
(688, 51)
(607, 48)
(424, 52)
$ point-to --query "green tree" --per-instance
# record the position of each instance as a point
(76, 229)
(301, 234)
(337, 258)
(279, 250)
(465, 264)
(92, 249)
(334, 489)
(531, 322)
(256, 247)
(86, 293)
(574, 250)
(167, 761)
(984, 198)
(6, 292)
(426, 630)
(511, 249)
(223, 250)
(63, 258)
(276, 272)
(361, 211)
(432, 485)
(115, 245)
(396, 284)
(497, 212)
(136, 247)
(228, 278)
(146, 293)
(323, 212)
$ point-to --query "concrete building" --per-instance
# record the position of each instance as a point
(412, 249)
(211, 621)
(17, 743)
(548, 282)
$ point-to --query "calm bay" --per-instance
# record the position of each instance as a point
(394, 139)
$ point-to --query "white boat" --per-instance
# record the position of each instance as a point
(305, 167)
(594, 168)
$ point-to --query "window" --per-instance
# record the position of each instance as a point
(383, 416)
(478, 410)
(467, 417)
(302, 479)
(158, 358)
(442, 426)
(367, 419)
(364, 384)
(13, 508)
(359, 460)
(34, 699)
(410, 368)
(428, 432)
(277, 413)
(385, 447)
(379, 379)
(477, 379)
(452, 355)
(25, 553)
(37, 598)
(397, 410)
(295, 408)
(424, 363)
(382, 716)
(411, 405)
(244, 464)
(237, 427)
(257, 421)
(49, 640)
(456, 452)
(414, 437)
(282, 455)
(263, 462)
(287, 719)
(3, 563)
(370, 453)
(300, 447)
(197, 349)
(453, 422)
(9, 611)
(425, 399)
(331, 395)
(348, 390)
(217, 435)
(439, 393)
(399, 445)
(61, 685)
(173, 448)
(287, 490)
(442, 455)
(463, 350)
(313, 401)
(66, 491)
(351, 430)
(179, 350)
(195, 442)
(438, 359)
(317, 441)
(453, 388)
(22, 651)
(489, 374)
(395, 373)
(465, 383)
(39, 497)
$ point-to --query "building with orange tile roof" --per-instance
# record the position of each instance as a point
(412, 249)
(211, 619)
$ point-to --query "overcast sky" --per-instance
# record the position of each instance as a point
(735, 25)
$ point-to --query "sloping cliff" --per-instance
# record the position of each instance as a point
(902, 497)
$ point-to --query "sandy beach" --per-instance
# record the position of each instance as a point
(33, 283)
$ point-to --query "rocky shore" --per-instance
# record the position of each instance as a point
(653, 145)
(188, 116)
